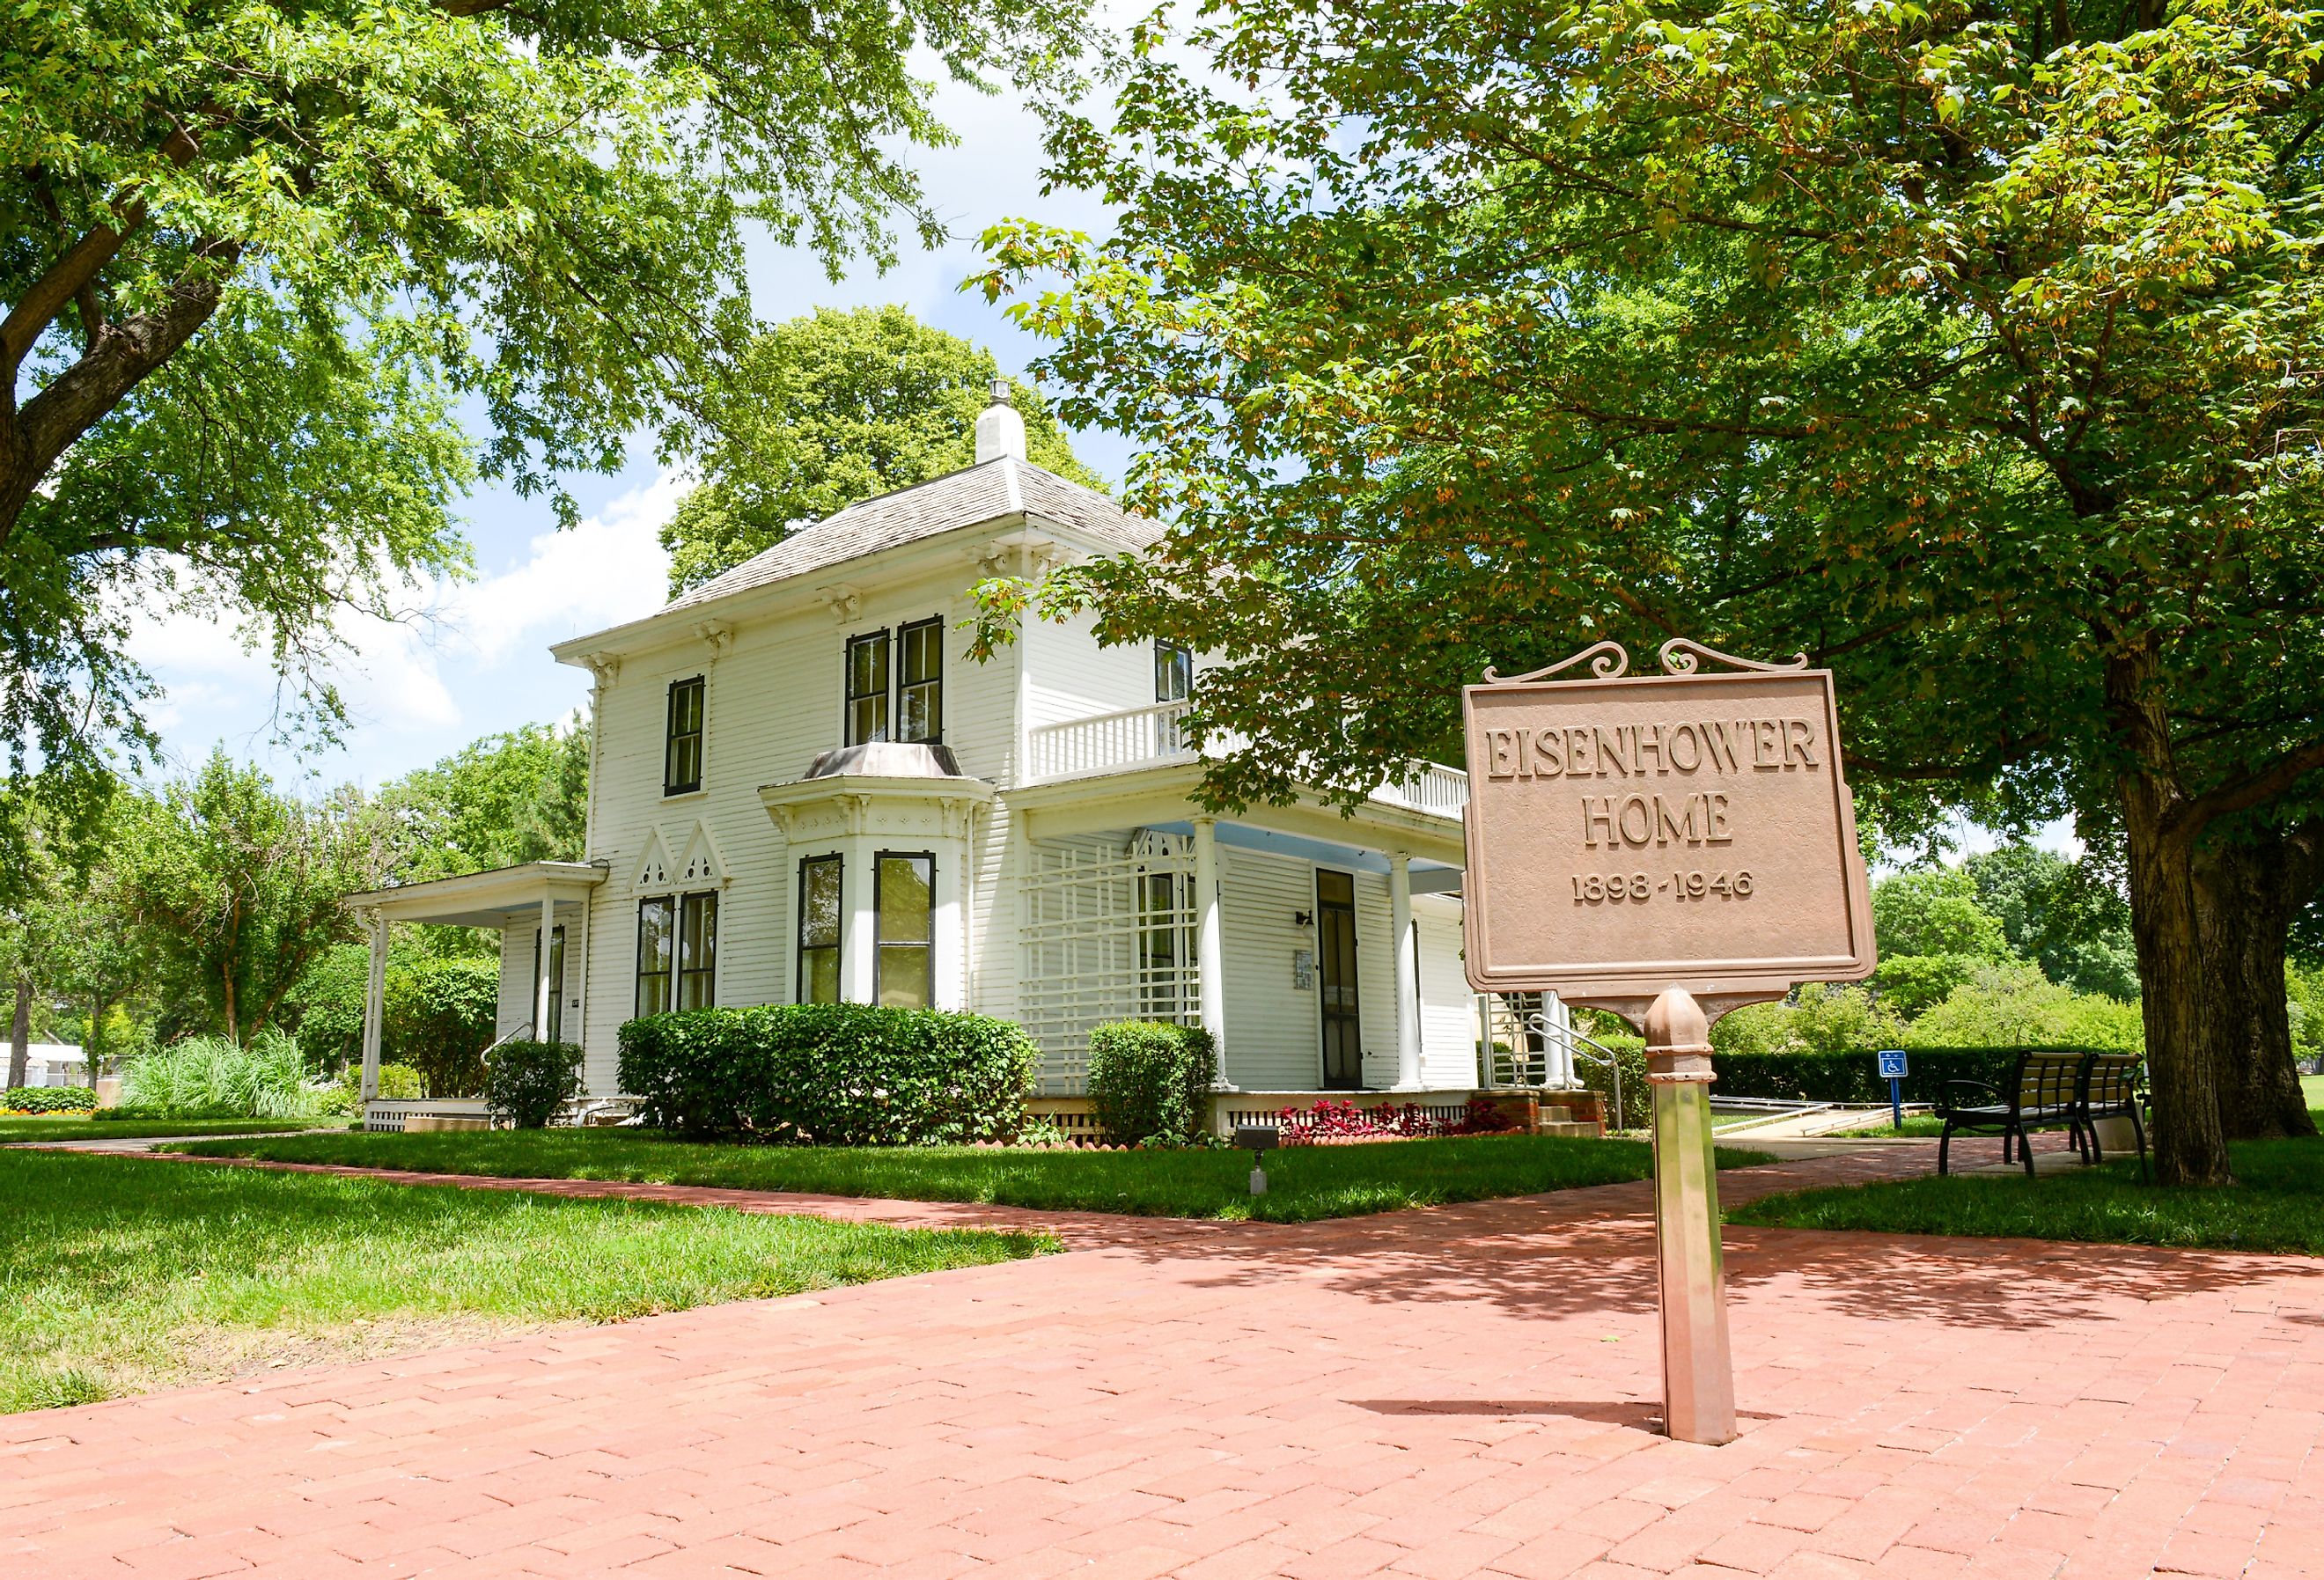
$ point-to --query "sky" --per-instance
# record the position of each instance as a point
(474, 658)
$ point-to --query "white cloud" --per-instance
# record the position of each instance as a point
(471, 658)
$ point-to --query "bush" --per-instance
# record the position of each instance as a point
(216, 1078)
(1637, 1111)
(526, 1083)
(47, 1099)
(830, 1074)
(439, 1020)
(2015, 1007)
(395, 1081)
(1152, 1079)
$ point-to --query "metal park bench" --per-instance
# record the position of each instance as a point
(2110, 1091)
(2041, 1096)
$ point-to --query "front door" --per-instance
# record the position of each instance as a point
(1336, 974)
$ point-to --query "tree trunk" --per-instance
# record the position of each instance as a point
(20, 1031)
(2165, 921)
(225, 978)
(2247, 892)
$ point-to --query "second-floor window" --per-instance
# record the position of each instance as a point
(681, 760)
(1174, 672)
(919, 681)
(867, 689)
(895, 684)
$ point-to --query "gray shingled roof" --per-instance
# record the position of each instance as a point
(957, 499)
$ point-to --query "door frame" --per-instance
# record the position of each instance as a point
(1350, 1018)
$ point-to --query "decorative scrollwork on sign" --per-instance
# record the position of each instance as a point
(1609, 661)
(1681, 657)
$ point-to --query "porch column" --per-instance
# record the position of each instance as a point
(1408, 973)
(547, 986)
(1209, 952)
(374, 1005)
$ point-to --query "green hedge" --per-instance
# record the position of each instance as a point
(526, 1083)
(1855, 1078)
(47, 1099)
(1152, 1079)
(830, 1074)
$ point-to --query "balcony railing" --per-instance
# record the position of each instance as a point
(1146, 737)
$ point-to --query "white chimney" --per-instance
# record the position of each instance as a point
(1000, 429)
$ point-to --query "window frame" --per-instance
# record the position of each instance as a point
(688, 904)
(1183, 668)
(904, 683)
(882, 642)
(880, 944)
(837, 861)
(667, 976)
(557, 987)
(698, 685)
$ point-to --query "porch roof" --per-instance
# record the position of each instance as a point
(487, 899)
(1163, 795)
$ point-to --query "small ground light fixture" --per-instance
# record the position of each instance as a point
(1258, 1139)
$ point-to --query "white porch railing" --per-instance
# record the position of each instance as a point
(1144, 737)
(1108, 743)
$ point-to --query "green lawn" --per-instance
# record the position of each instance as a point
(122, 1274)
(1306, 1182)
(2277, 1204)
(57, 1128)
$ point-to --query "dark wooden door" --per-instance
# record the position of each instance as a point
(1336, 974)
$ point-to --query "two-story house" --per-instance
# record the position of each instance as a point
(804, 789)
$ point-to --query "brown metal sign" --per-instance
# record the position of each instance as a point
(1632, 832)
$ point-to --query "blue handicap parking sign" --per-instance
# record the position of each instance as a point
(1892, 1064)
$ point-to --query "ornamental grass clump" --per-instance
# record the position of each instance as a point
(1151, 1081)
(218, 1078)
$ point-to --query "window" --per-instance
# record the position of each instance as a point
(867, 689)
(677, 952)
(819, 924)
(1174, 672)
(654, 917)
(904, 897)
(919, 684)
(698, 950)
(1165, 944)
(556, 1032)
(681, 761)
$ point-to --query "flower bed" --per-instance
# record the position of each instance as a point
(1330, 1122)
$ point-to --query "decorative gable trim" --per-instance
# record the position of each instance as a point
(654, 867)
(701, 865)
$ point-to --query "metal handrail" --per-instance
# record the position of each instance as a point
(1539, 1021)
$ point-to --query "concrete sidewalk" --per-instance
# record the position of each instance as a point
(1459, 1391)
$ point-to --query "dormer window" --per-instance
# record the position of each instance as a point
(681, 761)
(913, 708)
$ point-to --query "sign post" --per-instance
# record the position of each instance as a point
(1668, 847)
(1893, 1070)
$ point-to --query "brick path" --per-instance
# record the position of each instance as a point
(1458, 1391)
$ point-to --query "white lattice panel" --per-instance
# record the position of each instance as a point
(1100, 943)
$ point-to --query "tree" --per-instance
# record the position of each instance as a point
(235, 891)
(518, 796)
(1971, 350)
(252, 257)
(829, 408)
(2062, 915)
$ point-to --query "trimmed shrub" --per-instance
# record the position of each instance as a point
(526, 1083)
(1855, 1078)
(1637, 1098)
(830, 1074)
(395, 1081)
(47, 1099)
(1152, 1079)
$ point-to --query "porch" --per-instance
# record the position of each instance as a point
(552, 897)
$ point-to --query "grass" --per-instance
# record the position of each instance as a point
(1305, 1183)
(2277, 1203)
(70, 1127)
(118, 1275)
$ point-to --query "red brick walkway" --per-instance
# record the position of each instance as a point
(1452, 1393)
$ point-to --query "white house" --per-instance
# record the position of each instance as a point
(805, 789)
